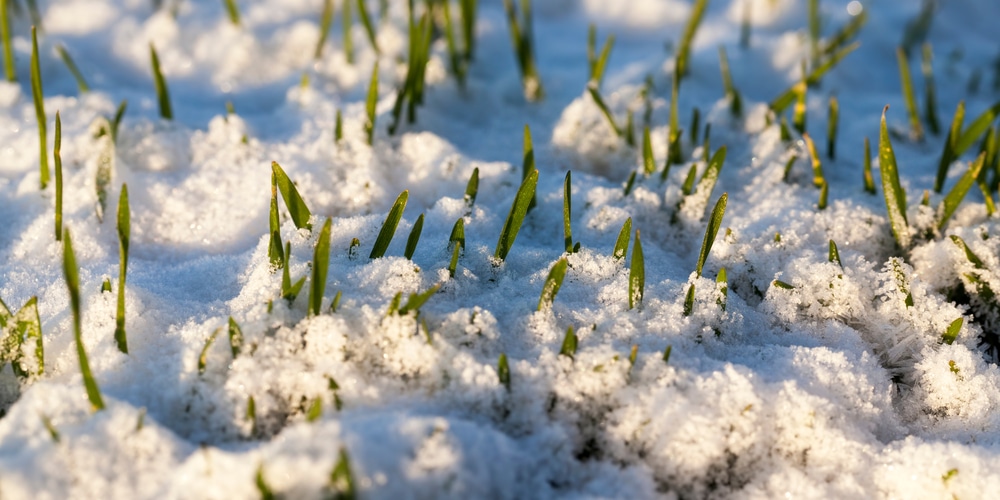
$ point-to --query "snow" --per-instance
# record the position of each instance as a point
(833, 388)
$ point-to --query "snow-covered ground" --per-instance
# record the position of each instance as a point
(807, 379)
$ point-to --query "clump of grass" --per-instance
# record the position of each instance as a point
(597, 63)
(235, 338)
(81, 82)
(296, 206)
(732, 95)
(503, 371)
(621, 244)
(414, 238)
(520, 35)
(413, 303)
(958, 142)
(38, 97)
(681, 67)
(341, 483)
(895, 196)
(370, 103)
(916, 128)
(325, 20)
(8, 47)
(233, 11)
(57, 157)
(456, 244)
(518, 210)
(552, 284)
(72, 275)
(124, 231)
(636, 275)
(389, 226)
(832, 121)
(203, 355)
(321, 264)
(160, 83)
(569, 344)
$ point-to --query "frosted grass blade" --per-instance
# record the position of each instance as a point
(81, 83)
(712, 171)
(235, 338)
(636, 275)
(552, 284)
(296, 206)
(621, 244)
(714, 223)
(954, 197)
(72, 275)
(834, 254)
(414, 238)
(160, 83)
(124, 231)
(389, 226)
(953, 330)
(895, 197)
(518, 210)
(321, 264)
(39, 99)
(203, 356)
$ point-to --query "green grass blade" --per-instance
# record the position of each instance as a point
(455, 58)
(203, 356)
(296, 206)
(552, 284)
(976, 129)
(117, 120)
(845, 34)
(235, 337)
(469, 8)
(814, 31)
(265, 491)
(472, 188)
(930, 90)
(389, 226)
(457, 244)
(817, 163)
(503, 371)
(367, 23)
(338, 128)
(787, 97)
(520, 35)
(124, 232)
(342, 485)
(233, 11)
(636, 275)
(370, 102)
(289, 290)
(417, 300)
(325, 20)
(948, 154)
(81, 82)
(274, 249)
(969, 254)
(569, 344)
(666, 354)
(714, 223)
(518, 210)
(953, 330)
(954, 197)
(909, 97)
(834, 254)
(895, 197)
(723, 279)
(411, 241)
(648, 164)
(8, 47)
(735, 101)
(321, 264)
(681, 68)
(599, 101)
(601, 63)
(72, 275)
(28, 327)
(38, 97)
(712, 171)
(867, 168)
(629, 183)
(57, 156)
(160, 83)
(690, 181)
(568, 213)
(689, 301)
(347, 22)
(621, 244)
(335, 303)
(832, 121)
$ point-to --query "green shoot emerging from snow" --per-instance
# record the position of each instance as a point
(72, 275)
(367, 23)
(274, 249)
(518, 210)
(326, 19)
(38, 97)
(520, 36)
(867, 168)
(732, 95)
(621, 244)
(503, 371)
(953, 330)
(597, 63)
(124, 230)
(636, 275)
(567, 215)
(203, 356)
(321, 262)
(389, 226)
(370, 105)
(895, 197)
(456, 242)
(8, 47)
(834, 254)
(233, 11)
(954, 197)
(472, 188)
(235, 337)
(414, 238)
(160, 83)
(681, 68)
(648, 164)
(57, 156)
(916, 129)
(714, 223)
(787, 97)
(569, 344)
(81, 83)
(341, 483)
(552, 284)
(296, 206)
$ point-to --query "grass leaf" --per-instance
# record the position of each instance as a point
(714, 223)
(834, 254)
(457, 243)
(684, 51)
(518, 210)
(948, 154)
(599, 101)
(952, 332)
(648, 164)
(832, 121)
(411, 241)
(367, 23)
(787, 97)
(346, 25)
(389, 226)
(689, 300)
(160, 83)
(72, 275)
(569, 344)
(274, 249)
(57, 157)
(722, 279)
(417, 300)
(296, 206)
(124, 232)
(235, 337)
(817, 164)
(321, 264)
(341, 483)
(867, 168)
(636, 275)
(733, 95)
(552, 284)
(39, 99)
(930, 90)
(520, 36)
(370, 103)
(472, 188)
(895, 196)
(8, 47)
(954, 197)
(908, 95)
(621, 244)
(567, 213)
(503, 371)
(81, 83)
(326, 19)
(233, 11)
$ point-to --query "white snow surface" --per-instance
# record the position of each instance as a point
(834, 388)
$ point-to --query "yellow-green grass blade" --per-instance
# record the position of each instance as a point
(160, 84)
(518, 210)
(909, 97)
(552, 284)
(681, 68)
(389, 226)
(714, 223)
(787, 97)
(81, 82)
(274, 249)
(414, 238)
(416, 300)
(57, 157)
(233, 11)
(621, 244)
(367, 23)
(370, 102)
(954, 197)
(72, 274)
(8, 47)
(124, 232)
(636, 275)
(235, 337)
(569, 344)
(342, 484)
(320, 267)
(503, 371)
(895, 196)
(203, 356)
(568, 213)
(326, 19)
(296, 206)
(953, 330)
(39, 99)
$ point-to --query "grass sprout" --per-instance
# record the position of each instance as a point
(72, 275)
(951, 333)
(17, 329)
(800, 109)
(648, 164)
(518, 210)
(674, 154)
(81, 82)
(57, 157)
(325, 20)
(389, 226)
(834, 254)
(832, 122)
(370, 103)
(569, 344)
(895, 196)
(732, 95)
(341, 485)
(552, 284)
(520, 36)
(629, 184)
(411, 241)
(636, 275)
(819, 180)
(787, 97)
(203, 356)
(722, 281)
(289, 290)
(274, 249)
(954, 197)
(235, 338)
(160, 83)
(456, 242)
(416, 300)
(688, 301)
(621, 244)
(916, 128)
(503, 371)
(958, 142)
(567, 215)
(456, 58)
(233, 11)
(930, 90)
(599, 101)
(681, 68)
(948, 154)
(666, 354)
(367, 23)
(346, 25)
(124, 232)
(469, 9)
(338, 128)
(320, 267)
(39, 99)
(472, 188)
(714, 223)
(8, 47)
(296, 206)
(867, 168)
(597, 63)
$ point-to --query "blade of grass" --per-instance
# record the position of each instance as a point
(916, 128)
(930, 90)
(681, 68)
(203, 356)
(235, 337)
(325, 20)
(800, 109)
(469, 8)
(367, 23)
(567, 213)
(552, 284)
(124, 231)
(338, 128)
(321, 264)
(274, 249)
(296, 206)
(81, 83)
(57, 156)
(160, 83)
(38, 97)
(953, 330)
(723, 280)
(895, 197)
(389, 226)
(621, 244)
(8, 47)
(787, 97)
(954, 197)
(347, 22)
(688, 301)
(455, 58)
(814, 31)
(648, 164)
(832, 119)
(834, 254)
(233, 11)
(817, 164)
(518, 210)
(695, 125)
(417, 300)
(370, 104)
(714, 223)
(27, 328)
(948, 154)
(342, 485)
(636, 275)
(867, 168)
(289, 291)
(457, 243)
(472, 188)
(674, 154)
(503, 371)
(569, 344)
(732, 95)
(411, 241)
(72, 275)
(599, 101)
(601, 62)
(520, 35)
